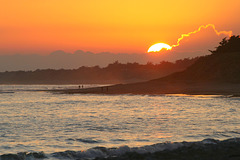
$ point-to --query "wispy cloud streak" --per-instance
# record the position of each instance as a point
(227, 33)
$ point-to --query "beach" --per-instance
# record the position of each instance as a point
(158, 88)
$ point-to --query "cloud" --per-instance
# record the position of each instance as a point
(218, 33)
(197, 43)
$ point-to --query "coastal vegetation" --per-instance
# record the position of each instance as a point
(223, 65)
(217, 73)
(114, 73)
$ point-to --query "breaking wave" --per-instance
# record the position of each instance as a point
(205, 149)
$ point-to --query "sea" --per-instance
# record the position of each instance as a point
(38, 124)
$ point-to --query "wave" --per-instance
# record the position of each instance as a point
(205, 149)
(4, 92)
(85, 140)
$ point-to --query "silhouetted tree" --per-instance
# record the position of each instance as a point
(228, 45)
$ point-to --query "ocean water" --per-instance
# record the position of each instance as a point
(33, 121)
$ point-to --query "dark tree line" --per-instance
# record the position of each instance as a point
(223, 65)
(113, 73)
(228, 45)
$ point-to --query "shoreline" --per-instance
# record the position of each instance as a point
(205, 149)
(149, 88)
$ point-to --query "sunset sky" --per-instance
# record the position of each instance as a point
(116, 26)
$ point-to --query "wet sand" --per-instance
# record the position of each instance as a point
(157, 88)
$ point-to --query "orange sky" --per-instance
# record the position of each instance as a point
(118, 26)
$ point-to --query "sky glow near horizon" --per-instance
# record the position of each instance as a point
(41, 27)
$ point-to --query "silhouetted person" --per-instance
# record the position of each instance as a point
(79, 87)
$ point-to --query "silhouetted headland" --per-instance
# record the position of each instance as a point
(218, 73)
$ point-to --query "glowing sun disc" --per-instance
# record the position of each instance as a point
(158, 47)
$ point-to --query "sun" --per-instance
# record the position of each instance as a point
(158, 47)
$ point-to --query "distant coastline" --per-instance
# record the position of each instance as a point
(146, 88)
(114, 73)
(215, 74)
